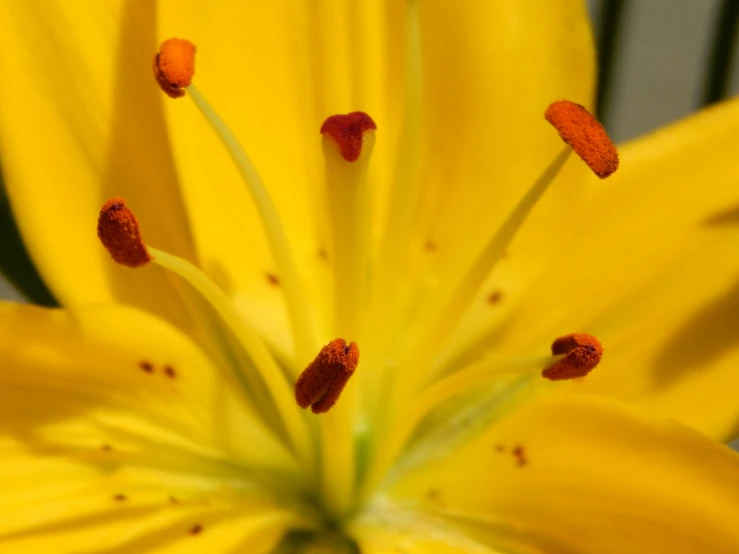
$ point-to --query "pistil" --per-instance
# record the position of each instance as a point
(348, 141)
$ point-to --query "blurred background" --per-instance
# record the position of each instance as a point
(660, 60)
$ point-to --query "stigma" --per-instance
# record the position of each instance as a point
(321, 383)
(118, 230)
(174, 66)
(347, 131)
(585, 134)
(581, 354)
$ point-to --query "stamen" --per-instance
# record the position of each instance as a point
(321, 383)
(582, 354)
(253, 345)
(174, 66)
(445, 312)
(348, 132)
(585, 135)
(118, 230)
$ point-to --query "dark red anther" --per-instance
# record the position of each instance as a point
(119, 232)
(321, 383)
(582, 354)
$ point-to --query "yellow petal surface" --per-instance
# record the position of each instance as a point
(78, 125)
(639, 260)
(115, 431)
(583, 475)
(255, 63)
(490, 71)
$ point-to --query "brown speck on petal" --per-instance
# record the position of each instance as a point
(434, 496)
(120, 497)
(146, 366)
(520, 455)
(170, 372)
(196, 529)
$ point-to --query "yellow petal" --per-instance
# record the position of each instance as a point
(389, 530)
(491, 69)
(62, 502)
(590, 476)
(270, 103)
(111, 402)
(79, 125)
(640, 261)
(122, 371)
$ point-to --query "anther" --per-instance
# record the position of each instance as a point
(174, 66)
(119, 232)
(321, 383)
(347, 131)
(582, 353)
(585, 135)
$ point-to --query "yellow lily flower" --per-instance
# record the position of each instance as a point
(154, 412)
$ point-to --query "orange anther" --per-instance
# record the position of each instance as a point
(119, 232)
(321, 383)
(347, 130)
(174, 66)
(582, 354)
(585, 135)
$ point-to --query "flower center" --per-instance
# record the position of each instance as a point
(364, 292)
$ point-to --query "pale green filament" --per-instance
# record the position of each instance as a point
(302, 326)
(447, 312)
(349, 206)
(411, 414)
(273, 377)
